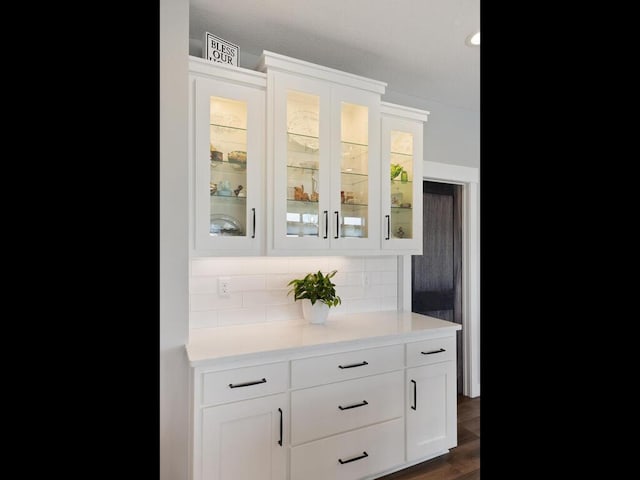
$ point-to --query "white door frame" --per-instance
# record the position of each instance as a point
(469, 178)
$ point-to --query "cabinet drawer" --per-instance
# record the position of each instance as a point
(313, 371)
(329, 409)
(351, 455)
(434, 350)
(242, 383)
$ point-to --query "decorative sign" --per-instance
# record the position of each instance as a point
(218, 50)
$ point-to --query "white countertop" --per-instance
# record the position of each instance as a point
(236, 341)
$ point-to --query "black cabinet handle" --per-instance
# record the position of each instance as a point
(353, 365)
(433, 351)
(326, 224)
(253, 235)
(280, 441)
(415, 394)
(355, 405)
(247, 384)
(342, 462)
(337, 224)
(388, 228)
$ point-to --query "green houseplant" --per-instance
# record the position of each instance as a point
(318, 294)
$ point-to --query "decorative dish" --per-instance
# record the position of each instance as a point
(224, 225)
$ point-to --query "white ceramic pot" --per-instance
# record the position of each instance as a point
(316, 313)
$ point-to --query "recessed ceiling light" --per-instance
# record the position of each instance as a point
(473, 40)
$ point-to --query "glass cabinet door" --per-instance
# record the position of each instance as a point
(356, 168)
(402, 175)
(354, 171)
(303, 217)
(228, 167)
(301, 164)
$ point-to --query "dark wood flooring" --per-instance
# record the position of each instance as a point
(463, 461)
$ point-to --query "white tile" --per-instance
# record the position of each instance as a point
(373, 264)
(277, 313)
(276, 265)
(208, 318)
(249, 265)
(278, 281)
(365, 305)
(204, 266)
(354, 278)
(237, 316)
(346, 264)
(201, 301)
(308, 264)
(266, 297)
(241, 283)
(379, 291)
(203, 284)
(388, 303)
(350, 292)
(384, 278)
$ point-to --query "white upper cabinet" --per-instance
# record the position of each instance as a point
(297, 161)
(228, 125)
(401, 187)
(323, 150)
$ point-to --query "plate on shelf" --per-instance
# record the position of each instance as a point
(224, 225)
(304, 124)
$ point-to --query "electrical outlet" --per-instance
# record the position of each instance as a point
(224, 285)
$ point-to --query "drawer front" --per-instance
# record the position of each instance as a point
(434, 350)
(309, 372)
(337, 407)
(350, 456)
(242, 383)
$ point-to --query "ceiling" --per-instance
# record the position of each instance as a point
(416, 46)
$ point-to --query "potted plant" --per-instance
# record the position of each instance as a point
(318, 294)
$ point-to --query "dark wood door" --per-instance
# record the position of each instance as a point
(437, 273)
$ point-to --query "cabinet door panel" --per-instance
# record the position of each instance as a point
(302, 160)
(350, 456)
(229, 167)
(355, 169)
(431, 410)
(240, 441)
(402, 185)
(329, 409)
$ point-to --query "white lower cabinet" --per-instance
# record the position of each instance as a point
(246, 440)
(431, 410)
(352, 455)
(337, 414)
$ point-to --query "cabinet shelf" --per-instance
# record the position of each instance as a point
(229, 167)
(406, 156)
(400, 182)
(228, 128)
(303, 167)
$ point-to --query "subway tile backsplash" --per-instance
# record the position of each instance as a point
(258, 287)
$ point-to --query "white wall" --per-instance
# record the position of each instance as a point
(174, 266)
(259, 287)
(452, 134)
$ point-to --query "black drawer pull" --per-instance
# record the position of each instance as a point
(280, 441)
(355, 405)
(433, 351)
(353, 365)
(342, 462)
(247, 384)
(415, 394)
